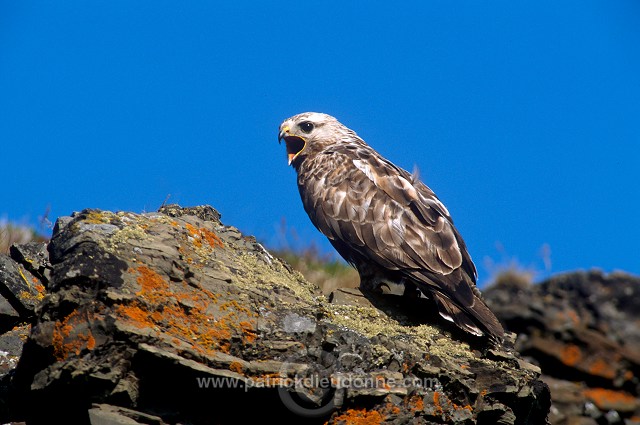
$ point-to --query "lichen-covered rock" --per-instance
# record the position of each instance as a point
(20, 294)
(19, 289)
(34, 257)
(173, 317)
(583, 330)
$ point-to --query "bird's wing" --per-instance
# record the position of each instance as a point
(382, 212)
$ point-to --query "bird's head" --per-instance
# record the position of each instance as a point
(308, 129)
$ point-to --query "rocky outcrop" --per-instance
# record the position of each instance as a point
(173, 317)
(23, 277)
(583, 330)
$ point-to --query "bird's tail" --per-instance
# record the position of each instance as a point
(476, 319)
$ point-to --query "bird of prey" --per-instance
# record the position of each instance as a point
(384, 221)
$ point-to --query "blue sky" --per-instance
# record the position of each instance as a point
(524, 117)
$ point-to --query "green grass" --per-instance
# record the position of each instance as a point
(322, 268)
(329, 274)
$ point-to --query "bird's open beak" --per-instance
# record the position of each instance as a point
(295, 144)
(283, 133)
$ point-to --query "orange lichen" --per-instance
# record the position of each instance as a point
(443, 405)
(392, 408)
(23, 334)
(212, 239)
(359, 417)
(601, 368)
(136, 315)
(389, 409)
(19, 326)
(235, 367)
(184, 315)
(610, 399)
(66, 339)
(200, 234)
(149, 280)
(193, 231)
(30, 295)
(573, 316)
(571, 355)
(381, 382)
(271, 380)
(465, 407)
(437, 403)
(628, 375)
(248, 331)
(91, 342)
(26, 295)
(416, 403)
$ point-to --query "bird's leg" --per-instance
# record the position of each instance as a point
(378, 283)
(410, 290)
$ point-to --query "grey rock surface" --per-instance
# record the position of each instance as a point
(173, 317)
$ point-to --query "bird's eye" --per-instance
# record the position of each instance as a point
(306, 126)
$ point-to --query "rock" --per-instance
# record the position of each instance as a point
(11, 345)
(20, 294)
(19, 288)
(583, 330)
(105, 414)
(9, 317)
(34, 257)
(173, 317)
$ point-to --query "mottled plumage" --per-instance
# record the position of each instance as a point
(383, 220)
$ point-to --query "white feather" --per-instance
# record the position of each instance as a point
(365, 168)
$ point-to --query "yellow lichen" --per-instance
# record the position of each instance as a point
(98, 217)
(370, 322)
